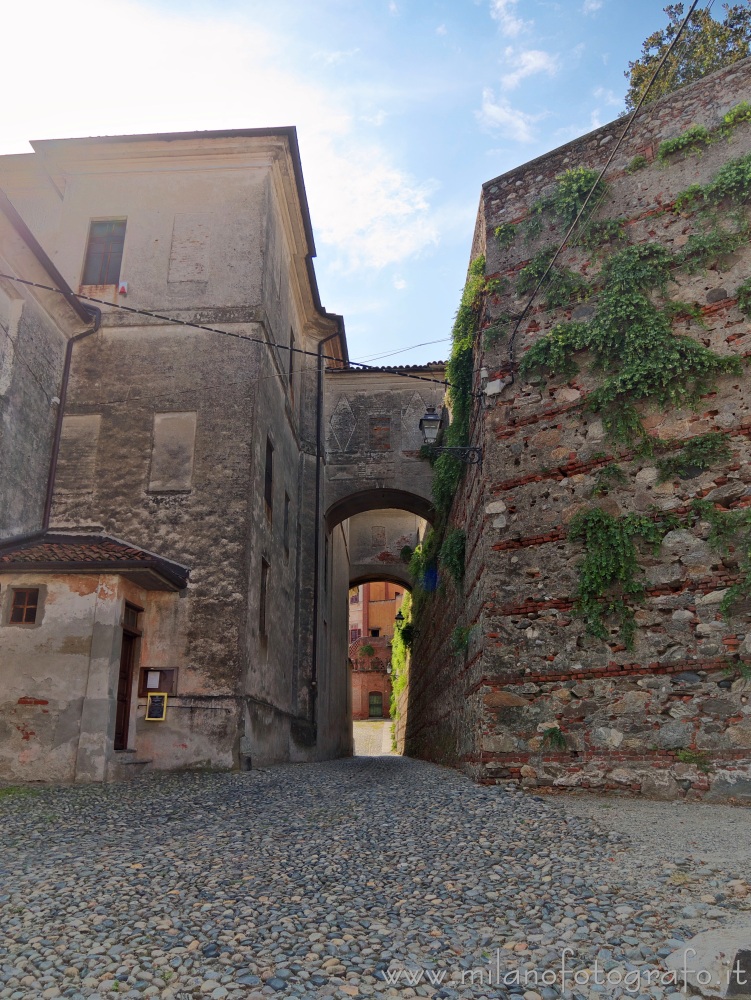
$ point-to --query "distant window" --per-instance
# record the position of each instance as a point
(268, 488)
(104, 253)
(291, 363)
(354, 598)
(375, 633)
(354, 634)
(264, 594)
(287, 502)
(375, 705)
(24, 608)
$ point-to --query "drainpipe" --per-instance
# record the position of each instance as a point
(96, 315)
(317, 530)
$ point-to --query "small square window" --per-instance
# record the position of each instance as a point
(104, 253)
(24, 608)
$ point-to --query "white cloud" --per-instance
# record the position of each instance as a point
(608, 97)
(591, 6)
(367, 211)
(333, 58)
(441, 30)
(393, 8)
(399, 282)
(497, 115)
(504, 12)
(527, 63)
(574, 131)
(377, 118)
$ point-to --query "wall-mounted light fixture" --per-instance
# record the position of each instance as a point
(430, 424)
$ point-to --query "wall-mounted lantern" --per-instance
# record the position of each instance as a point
(430, 424)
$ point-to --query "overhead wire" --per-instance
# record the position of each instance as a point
(212, 329)
(543, 279)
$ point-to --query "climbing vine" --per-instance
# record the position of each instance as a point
(608, 584)
(401, 644)
(451, 555)
(632, 342)
(694, 138)
(699, 453)
(561, 286)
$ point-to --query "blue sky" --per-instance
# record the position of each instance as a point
(403, 109)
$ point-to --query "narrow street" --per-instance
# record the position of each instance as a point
(374, 876)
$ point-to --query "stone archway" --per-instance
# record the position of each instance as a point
(373, 440)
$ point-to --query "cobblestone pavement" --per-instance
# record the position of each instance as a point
(373, 876)
(372, 737)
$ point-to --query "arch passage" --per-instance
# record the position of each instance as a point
(363, 501)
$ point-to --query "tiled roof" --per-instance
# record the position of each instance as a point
(57, 551)
(429, 366)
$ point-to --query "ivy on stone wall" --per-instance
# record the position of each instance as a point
(632, 341)
(608, 583)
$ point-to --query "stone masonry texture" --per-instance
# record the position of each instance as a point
(669, 717)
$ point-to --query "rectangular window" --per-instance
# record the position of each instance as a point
(264, 594)
(24, 608)
(104, 253)
(268, 488)
(354, 634)
(291, 364)
(287, 502)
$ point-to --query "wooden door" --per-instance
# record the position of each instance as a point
(124, 690)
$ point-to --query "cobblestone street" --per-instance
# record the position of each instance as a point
(375, 876)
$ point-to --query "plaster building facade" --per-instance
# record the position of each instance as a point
(183, 563)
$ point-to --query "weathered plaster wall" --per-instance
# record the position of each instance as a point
(34, 330)
(627, 716)
(373, 440)
(165, 436)
(377, 539)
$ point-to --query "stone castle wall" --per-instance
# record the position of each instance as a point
(669, 716)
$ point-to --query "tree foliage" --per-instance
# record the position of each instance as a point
(705, 45)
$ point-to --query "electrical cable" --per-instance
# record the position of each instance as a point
(212, 329)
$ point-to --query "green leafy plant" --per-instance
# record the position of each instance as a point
(700, 760)
(639, 162)
(401, 644)
(694, 138)
(707, 44)
(554, 739)
(608, 478)
(607, 577)
(595, 233)
(562, 285)
(631, 340)
(728, 529)
(497, 331)
(505, 234)
(406, 553)
(737, 115)
(496, 286)
(460, 638)
(451, 554)
(705, 247)
(699, 453)
(16, 791)
(366, 650)
(743, 293)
